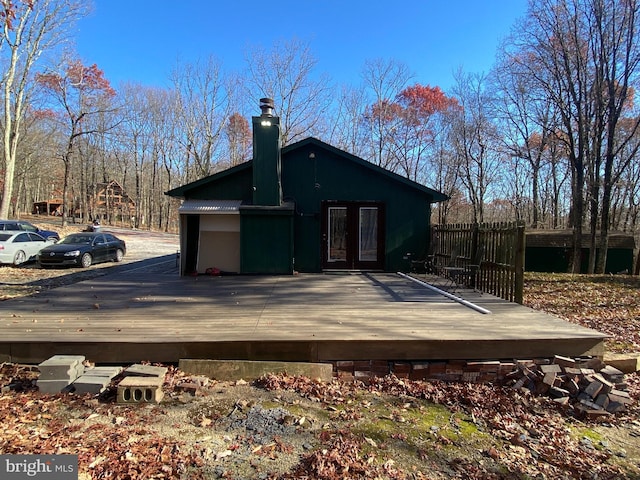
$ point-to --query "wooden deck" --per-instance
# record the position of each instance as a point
(131, 317)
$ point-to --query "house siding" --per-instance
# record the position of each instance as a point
(266, 240)
(328, 177)
(232, 187)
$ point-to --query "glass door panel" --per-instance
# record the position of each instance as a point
(337, 241)
(368, 234)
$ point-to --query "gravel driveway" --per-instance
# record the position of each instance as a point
(151, 251)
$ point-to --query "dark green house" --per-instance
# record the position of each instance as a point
(308, 207)
(552, 251)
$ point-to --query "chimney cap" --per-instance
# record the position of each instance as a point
(266, 105)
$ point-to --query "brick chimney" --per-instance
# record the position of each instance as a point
(267, 189)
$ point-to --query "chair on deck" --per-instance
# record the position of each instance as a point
(467, 275)
(430, 263)
(426, 265)
(451, 269)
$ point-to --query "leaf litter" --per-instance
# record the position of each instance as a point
(286, 427)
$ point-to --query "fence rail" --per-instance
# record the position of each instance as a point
(499, 247)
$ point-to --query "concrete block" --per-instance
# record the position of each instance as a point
(140, 390)
(61, 367)
(68, 372)
(109, 372)
(52, 386)
(625, 362)
(90, 384)
(230, 370)
(62, 360)
(139, 370)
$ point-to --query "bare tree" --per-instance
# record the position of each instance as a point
(203, 105)
(445, 177)
(285, 73)
(528, 126)
(615, 44)
(385, 79)
(584, 55)
(28, 29)
(474, 139)
(345, 129)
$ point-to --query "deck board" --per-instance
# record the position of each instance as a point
(133, 317)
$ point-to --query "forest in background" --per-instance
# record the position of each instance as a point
(549, 136)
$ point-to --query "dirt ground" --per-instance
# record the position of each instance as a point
(283, 427)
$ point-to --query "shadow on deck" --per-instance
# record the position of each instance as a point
(139, 315)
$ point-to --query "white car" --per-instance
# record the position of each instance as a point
(20, 247)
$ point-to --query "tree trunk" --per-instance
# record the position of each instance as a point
(577, 214)
(604, 222)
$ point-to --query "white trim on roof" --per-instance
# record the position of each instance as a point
(204, 207)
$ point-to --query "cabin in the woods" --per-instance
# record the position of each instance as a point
(110, 201)
(53, 206)
(106, 200)
(307, 207)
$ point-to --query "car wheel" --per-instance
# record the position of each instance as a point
(86, 260)
(119, 255)
(19, 258)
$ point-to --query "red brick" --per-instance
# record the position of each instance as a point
(436, 368)
(418, 366)
(399, 367)
(346, 376)
(344, 366)
(362, 365)
(471, 377)
(553, 368)
(486, 377)
(549, 378)
(593, 389)
(564, 361)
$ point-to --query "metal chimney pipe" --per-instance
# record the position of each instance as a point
(266, 105)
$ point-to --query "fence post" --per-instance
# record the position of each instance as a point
(519, 263)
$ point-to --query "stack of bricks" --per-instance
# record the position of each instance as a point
(58, 372)
(448, 371)
(592, 388)
(142, 384)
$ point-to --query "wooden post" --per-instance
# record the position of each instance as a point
(519, 264)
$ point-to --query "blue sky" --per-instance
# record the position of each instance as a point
(139, 40)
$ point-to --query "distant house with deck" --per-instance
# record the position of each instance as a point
(307, 207)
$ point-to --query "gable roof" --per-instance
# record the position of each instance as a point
(182, 190)
(436, 195)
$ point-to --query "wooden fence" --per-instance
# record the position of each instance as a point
(498, 247)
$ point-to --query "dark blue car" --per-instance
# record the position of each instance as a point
(21, 225)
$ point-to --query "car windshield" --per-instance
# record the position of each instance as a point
(4, 237)
(76, 239)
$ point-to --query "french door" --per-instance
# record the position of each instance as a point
(353, 235)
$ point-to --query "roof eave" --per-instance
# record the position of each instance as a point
(182, 191)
